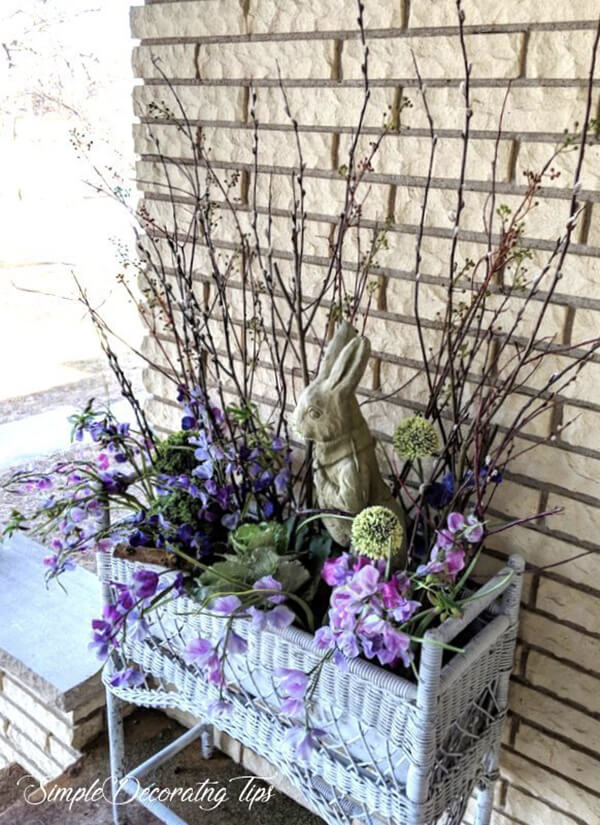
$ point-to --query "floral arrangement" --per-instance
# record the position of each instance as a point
(228, 498)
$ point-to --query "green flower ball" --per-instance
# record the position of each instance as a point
(377, 533)
(415, 438)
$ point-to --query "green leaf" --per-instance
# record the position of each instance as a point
(222, 573)
(292, 574)
(320, 547)
(262, 562)
(266, 534)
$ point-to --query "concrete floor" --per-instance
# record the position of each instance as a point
(146, 732)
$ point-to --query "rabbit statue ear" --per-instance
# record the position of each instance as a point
(350, 366)
(343, 335)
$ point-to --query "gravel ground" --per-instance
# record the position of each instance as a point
(146, 732)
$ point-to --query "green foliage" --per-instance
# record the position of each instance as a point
(249, 537)
(259, 550)
(175, 455)
(177, 507)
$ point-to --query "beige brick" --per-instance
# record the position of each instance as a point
(543, 671)
(235, 60)
(566, 603)
(496, 55)
(575, 472)
(23, 723)
(584, 429)
(559, 53)
(570, 762)
(532, 809)
(529, 109)
(24, 746)
(198, 103)
(581, 520)
(554, 716)
(555, 790)
(9, 754)
(325, 106)
(593, 237)
(16, 700)
(63, 754)
(320, 15)
(275, 147)
(533, 157)
(562, 641)
(405, 154)
(540, 550)
(188, 19)
(323, 196)
(525, 11)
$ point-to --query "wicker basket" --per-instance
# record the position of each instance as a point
(396, 751)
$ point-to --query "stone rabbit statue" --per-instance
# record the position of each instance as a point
(345, 469)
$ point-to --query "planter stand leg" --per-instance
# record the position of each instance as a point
(207, 742)
(116, 740)
(485, 791)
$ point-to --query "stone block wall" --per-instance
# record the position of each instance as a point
(213, 50)
(43, 738)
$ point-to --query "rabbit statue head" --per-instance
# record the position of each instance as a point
(345, 470)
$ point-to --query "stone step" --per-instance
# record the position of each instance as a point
(51, 695)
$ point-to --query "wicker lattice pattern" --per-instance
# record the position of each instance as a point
(395, 752)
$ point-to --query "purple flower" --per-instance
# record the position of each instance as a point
(474, 531)
(77, 514)
(214, 671)
(364, 582)
(220, 707)
(144, 583)
(188, 422)
(396, 647)
(204, 470)
(371, 625)
(454, 562)
(280, 617)
(435, 564)
(198, 652)
(302, 741)
(103, 631)
(291, 682)
(404, 611)
(225, 605)
(269, 583)
(337, 571)
(230, 520)
(103, 461)
(445, 538)
(324, 638)
(348, 644)
(59, 566)
(282, 479)
(456, 522)
(236, 644)
(130, 677)
(258, 618)
(292, 707)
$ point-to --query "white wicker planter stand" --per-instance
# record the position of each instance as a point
(396, 752)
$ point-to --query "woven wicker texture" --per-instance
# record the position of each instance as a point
(395, 751)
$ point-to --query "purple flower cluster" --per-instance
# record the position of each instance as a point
(127, 612)
(448, 555)
(303, 741)
(236, 461)
(365, 611)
